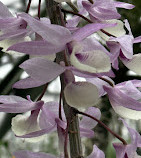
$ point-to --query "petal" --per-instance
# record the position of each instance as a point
(50, 111)
(4, 12)
(102, 10)
(130, 89)
(29, 154)
(126, 45)
(137, 39)
(127, 25)
(20, 107)
(87, 122)
(7, 99)
(125, 112)
(84, 132)
(47, 70)
(118, 98)
(94, 61)
(37, 48)
(135, 136)
(100, 83)
(49, 32)
(116, 31)
(89, 29)
(120, 150)
(81, 94)
(22, 125)
(96, 153)
(134, 64)
(91, 75)
(123, 5)
(28, 83)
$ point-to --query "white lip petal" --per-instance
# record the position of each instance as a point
(81, 94)
(94, 61)
(116, 31)
(127, 113)
(134, 64)
(22, 125)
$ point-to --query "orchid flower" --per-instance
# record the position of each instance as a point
(49, 44)
(102, 10)
(49, 121)
(22, 124)
(128, 150)
(126, 97)
(96, 153)
(12, 29)
(121, 48)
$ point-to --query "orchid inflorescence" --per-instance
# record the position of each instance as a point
(74, 52)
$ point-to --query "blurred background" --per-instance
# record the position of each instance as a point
(10, 73)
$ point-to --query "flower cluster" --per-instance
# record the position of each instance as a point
(83, 56)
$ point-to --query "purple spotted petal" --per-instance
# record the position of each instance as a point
(41, 69)
(95, 61)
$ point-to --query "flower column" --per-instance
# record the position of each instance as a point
(56, 17)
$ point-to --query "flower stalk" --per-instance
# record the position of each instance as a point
(55, 15)
(102, 124)
(28, 6)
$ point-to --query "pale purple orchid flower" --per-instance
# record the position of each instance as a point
(125, 99)
(96, 153)
(22, 124)
(128, 151)
(102, 10)
(11, 27)
(49, 121)
(123, 47)
(49, 44)
(54, 37)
